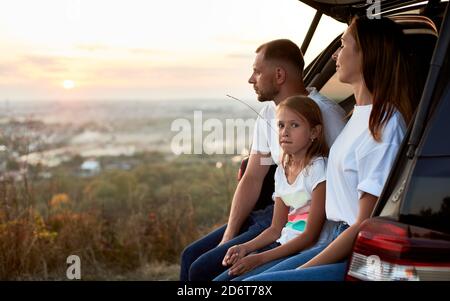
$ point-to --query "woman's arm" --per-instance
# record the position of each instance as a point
(341, 247)
(316, 218)
(266, 237)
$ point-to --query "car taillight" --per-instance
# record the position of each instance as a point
(384, 250)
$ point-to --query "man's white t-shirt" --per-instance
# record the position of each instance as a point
(333, 115)
(297, 196)
(265, 134)
(357, 163)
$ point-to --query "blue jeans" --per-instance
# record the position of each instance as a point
(202, 260)
(225, 277)
(329, 232)
(286, 270)
(328, 272)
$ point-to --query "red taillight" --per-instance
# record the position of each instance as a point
(385, 250)
(386, 237)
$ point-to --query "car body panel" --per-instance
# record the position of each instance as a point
(343, 10)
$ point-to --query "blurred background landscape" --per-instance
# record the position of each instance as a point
(89, 91)
(99, 180)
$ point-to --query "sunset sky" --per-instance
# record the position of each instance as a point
(142, 49)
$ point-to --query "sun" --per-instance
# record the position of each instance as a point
(68, 84)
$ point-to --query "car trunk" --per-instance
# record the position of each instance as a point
(343, 10)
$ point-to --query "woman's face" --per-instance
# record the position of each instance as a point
(348, 59)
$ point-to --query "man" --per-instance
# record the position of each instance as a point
(277, 74)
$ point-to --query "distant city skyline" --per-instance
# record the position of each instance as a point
(137, 49)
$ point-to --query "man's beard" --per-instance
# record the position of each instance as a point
(268, 95)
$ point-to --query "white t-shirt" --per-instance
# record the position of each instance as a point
(332, 114)
(298, 195)
(265, 134)
(357, 163)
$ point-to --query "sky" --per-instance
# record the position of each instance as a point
(143, 49)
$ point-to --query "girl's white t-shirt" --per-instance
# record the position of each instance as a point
(357, 163)
(298, 195)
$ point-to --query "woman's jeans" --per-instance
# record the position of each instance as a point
(202, 260)
(287, 270)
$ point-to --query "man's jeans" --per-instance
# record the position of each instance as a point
(202, 260)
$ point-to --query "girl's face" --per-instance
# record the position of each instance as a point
(295, 133)
(348, 59)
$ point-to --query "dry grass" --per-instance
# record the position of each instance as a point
(119, 234)
(156, 271)
(35, 245)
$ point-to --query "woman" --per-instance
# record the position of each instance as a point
(372, 60)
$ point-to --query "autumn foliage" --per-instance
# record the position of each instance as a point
(116, 222)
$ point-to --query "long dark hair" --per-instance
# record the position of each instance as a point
(385, 70)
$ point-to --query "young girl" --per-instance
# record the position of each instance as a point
(299, 212)
(372, 60)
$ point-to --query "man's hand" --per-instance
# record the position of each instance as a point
(245, 265)
(234, 254)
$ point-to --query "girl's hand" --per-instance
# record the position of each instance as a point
(233, 255)
(245, 265)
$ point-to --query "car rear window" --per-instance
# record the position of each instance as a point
(437, 142)
(427, 203)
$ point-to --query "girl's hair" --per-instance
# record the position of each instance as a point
(308, 110)
(385, 70)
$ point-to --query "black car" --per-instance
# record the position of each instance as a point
(408, 235)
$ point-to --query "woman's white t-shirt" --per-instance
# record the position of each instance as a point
(298, 195)
(357, 163)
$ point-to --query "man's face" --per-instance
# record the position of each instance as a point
(263, 78)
